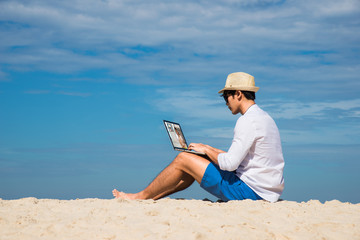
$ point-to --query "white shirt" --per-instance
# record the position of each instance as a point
(256, 154)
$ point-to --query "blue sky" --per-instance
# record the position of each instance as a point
(85, 85)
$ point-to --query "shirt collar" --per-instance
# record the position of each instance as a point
(250, 108)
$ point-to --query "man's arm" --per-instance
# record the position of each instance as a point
(211, 152)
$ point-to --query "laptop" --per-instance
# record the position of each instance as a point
(177, 137)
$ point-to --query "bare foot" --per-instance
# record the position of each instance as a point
(122, 195)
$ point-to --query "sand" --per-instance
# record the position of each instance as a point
(31, 218)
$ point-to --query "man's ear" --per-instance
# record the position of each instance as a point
(238, 94)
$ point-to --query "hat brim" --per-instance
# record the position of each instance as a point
(245, 88)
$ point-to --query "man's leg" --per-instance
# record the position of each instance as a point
(186, 182)
(179, 175)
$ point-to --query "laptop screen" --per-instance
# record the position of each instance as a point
(176, 135)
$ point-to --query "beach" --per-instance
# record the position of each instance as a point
(31, 218)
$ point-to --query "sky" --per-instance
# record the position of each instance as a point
(85, 85)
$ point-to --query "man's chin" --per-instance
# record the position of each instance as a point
(233, 112)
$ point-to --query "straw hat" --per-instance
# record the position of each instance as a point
(240, 81)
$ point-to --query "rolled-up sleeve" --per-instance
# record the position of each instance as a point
(244, 137)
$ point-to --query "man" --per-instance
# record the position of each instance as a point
(251, 169)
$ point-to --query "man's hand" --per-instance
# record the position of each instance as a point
(198, 147)
(211, 152)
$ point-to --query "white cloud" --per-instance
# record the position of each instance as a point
(342, 135)
(316, 110)
(36, 92)
(192, 104)
(199, 104)
(336, 8)
(76, 94)
(3, 76)
(128, 23)
(198, 108)
(158, 43)
(221, 132)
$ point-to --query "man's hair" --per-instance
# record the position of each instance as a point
(249, 95)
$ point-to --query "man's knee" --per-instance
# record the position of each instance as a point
(189, 159)
(192, 164)
(182, 157)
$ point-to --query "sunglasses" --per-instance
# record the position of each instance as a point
(226, 97)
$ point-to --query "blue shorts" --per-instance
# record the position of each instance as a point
(226, 185)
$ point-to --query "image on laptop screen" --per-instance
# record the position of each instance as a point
(176, 135)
